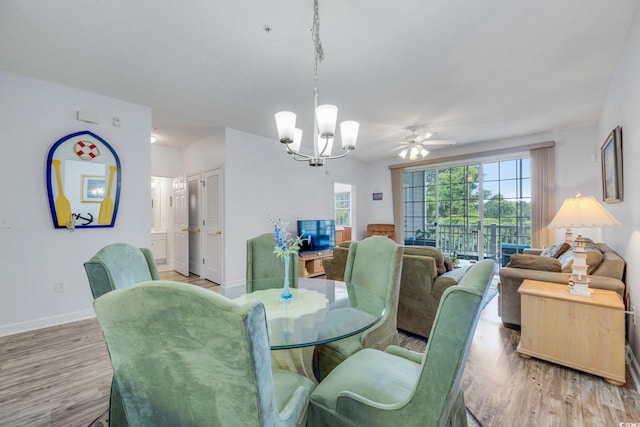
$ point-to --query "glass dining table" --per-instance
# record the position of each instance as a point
(321, 311)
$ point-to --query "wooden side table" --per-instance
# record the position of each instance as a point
(584, 333)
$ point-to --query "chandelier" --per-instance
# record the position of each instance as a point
(324, 121)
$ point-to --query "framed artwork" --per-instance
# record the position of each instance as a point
(94, 188)
(611, 157)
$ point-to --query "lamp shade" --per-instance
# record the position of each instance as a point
(349, 133)
(297, 140)
(286, 124)
(579, 212)
(327, 115)
(325, 145)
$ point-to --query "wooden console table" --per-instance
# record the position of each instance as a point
(584, 333)
(310, 265)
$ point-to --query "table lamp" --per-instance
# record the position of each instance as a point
(581, 212)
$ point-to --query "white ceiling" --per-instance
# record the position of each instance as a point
(470, 70)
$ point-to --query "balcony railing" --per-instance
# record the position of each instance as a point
(462, 240)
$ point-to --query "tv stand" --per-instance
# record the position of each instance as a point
(310, 263)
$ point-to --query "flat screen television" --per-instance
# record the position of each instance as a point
(317, 234)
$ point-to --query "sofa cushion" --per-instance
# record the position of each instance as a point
(428, 251)
(594, 259)
(535, 262)
(556, 251)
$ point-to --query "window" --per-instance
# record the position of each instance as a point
(464, 208)
(343, 209)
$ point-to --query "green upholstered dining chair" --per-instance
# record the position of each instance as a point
(185, 356)
(374, 263)
(118, 266)
(264, 269)
(405, 388)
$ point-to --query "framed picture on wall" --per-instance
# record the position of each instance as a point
(93, 188)
(611, 157)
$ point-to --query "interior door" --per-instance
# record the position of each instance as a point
(212, 225)
(195, 258)
(180, 193)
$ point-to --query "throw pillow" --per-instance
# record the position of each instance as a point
(555, 251)
(563, 248)
(535, 262)
(594, 259)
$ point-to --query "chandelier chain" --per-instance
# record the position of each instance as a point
(315, 36)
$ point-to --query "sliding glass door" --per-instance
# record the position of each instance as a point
(472, 211)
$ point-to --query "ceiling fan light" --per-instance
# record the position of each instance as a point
(423, 152)
(286, 124)
(327, 115)
(349, 133)
(403, 153)
(413, 153)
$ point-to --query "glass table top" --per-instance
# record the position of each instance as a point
(320, 311)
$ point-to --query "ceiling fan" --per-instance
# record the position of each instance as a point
(414, 145)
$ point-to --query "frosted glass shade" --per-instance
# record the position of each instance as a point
(297, 140)
(327, 144)
(349, 133)
(327, 115)
(286, 124)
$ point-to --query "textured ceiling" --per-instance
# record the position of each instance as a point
(469, 70)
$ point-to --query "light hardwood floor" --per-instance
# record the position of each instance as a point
(60, 376)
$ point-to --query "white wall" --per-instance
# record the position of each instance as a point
(575, 170)
(260, 179)
(33, 255)
(622, 108)
(166, 161)
(206, 154)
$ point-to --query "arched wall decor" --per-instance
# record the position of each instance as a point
(83, 182)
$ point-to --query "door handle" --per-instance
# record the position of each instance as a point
(218, 231)
(197, 229)
(184, 229)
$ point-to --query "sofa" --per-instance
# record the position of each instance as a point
(425, 275)
(553, 264)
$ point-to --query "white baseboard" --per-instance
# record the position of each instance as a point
(45, 322)
(632, 362)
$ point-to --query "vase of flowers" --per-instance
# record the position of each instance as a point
(285, 247)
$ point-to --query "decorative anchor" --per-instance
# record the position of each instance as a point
(87, 220)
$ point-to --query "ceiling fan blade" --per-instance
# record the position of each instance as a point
(424, 136)
(399, 148)
(438, 142)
